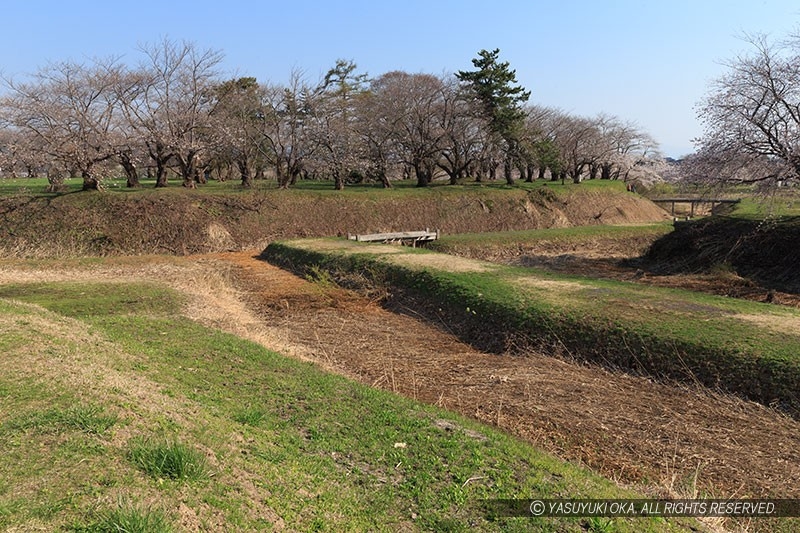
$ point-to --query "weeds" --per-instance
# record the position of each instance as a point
(320, 276)
(86, 418)
(250, 416)
(167, 459)
(128, 519)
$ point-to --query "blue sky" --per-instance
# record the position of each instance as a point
(646, 61)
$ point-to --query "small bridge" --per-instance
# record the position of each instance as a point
(403, 237)
(694, 202)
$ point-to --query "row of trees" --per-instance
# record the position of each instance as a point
(174, 115)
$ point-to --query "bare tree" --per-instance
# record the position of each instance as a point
(377, 136)
(576, 139)
(70, 109)
(283, 134)
(21, 153)
(465, 132)
(752, 117)
(171, 110)
(541, 127)
(334, 121)
(623, 146)
(413, 104)
(235, 120)
(129, 147)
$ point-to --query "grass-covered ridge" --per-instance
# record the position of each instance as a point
(96, 399)
(744, 347)
(623, 239)
(766, 250)
(223, 216)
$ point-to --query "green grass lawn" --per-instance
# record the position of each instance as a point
(117, 413)
(38, 186)
(577, 235)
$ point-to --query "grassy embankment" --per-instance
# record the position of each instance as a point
(223, 216)
(758, 240)
(747, 348)
(118, 412)
(608, 241)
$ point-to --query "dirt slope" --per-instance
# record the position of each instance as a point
(680, 441)
(179, 222)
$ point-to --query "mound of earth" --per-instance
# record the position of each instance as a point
(180, 222)
(764, 251)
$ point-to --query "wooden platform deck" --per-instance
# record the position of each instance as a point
(402, 237)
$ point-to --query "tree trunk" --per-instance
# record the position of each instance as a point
(55, 180)
(529, 174)
(452, 174)
(479, 173)
(508, 170)
(90, 183)
(383, 178)
(189, 168)
(161, 173)
(338, 180)
(247, 177)
(200, 175)
(130, 171)
(281, 176)
(423, 177)
(577, 173)
(158, 153)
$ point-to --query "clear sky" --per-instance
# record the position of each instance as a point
(647, 61)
